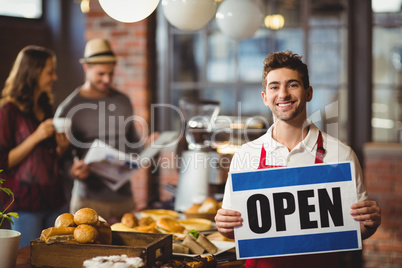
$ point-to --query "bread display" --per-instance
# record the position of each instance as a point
(84, 226)
(187, 238)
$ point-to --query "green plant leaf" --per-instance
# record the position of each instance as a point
(3, 214)
(7, 191)
(13, 214)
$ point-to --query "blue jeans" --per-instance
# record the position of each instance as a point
(31, 224)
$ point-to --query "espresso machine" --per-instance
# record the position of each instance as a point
(195, 158)
(209, 144)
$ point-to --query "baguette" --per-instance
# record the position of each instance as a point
(57, 234)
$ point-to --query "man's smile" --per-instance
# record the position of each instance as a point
(285, 104)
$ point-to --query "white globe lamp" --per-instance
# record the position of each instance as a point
(129, 11)
(189, 15)
(239, 19)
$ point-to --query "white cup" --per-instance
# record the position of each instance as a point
(61, 124)
(9, 243)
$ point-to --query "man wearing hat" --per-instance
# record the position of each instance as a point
(99, 112)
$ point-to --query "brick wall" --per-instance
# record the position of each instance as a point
(383, 179)
(132, 77)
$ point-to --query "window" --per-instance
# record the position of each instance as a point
(387, 72)
(206, 64)
(29, 9)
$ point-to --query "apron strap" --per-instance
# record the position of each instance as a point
(318, 157)
(320, 150)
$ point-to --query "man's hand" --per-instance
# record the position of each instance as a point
(79, 170)
(226, 220)
(368, 213)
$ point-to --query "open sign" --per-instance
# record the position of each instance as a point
(291, 211)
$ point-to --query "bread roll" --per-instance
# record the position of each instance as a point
(194, 208)
(86, 234)
(129, 220)
(65, 220)
(210, 205)
(86, 216)
(168, 225)
(144, 221)
(147, 228)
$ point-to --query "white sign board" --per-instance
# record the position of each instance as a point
(292, 211)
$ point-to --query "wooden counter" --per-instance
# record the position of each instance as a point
(24, 258)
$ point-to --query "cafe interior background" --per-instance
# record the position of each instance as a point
(353, 49)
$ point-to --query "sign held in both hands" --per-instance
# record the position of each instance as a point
(293, 211)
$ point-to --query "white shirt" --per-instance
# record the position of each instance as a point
(247, 158)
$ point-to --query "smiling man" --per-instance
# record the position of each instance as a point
(293, 141)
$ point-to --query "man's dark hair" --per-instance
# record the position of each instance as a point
(285, 59)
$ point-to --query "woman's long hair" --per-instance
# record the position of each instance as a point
(23, 79)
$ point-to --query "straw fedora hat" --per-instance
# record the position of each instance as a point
(98, 50)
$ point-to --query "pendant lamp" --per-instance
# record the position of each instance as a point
(239, 19)
(129, 10)
(189, 15)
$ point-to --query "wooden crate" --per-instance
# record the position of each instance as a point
(150, 247)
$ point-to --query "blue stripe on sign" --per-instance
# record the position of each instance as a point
(271, 178)
(275, 246)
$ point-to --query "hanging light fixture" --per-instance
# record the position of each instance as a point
(239, 19)
(84, 5)
(189, 15)
(274, 22)
(129, 10)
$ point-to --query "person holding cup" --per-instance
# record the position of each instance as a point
(29, 146)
